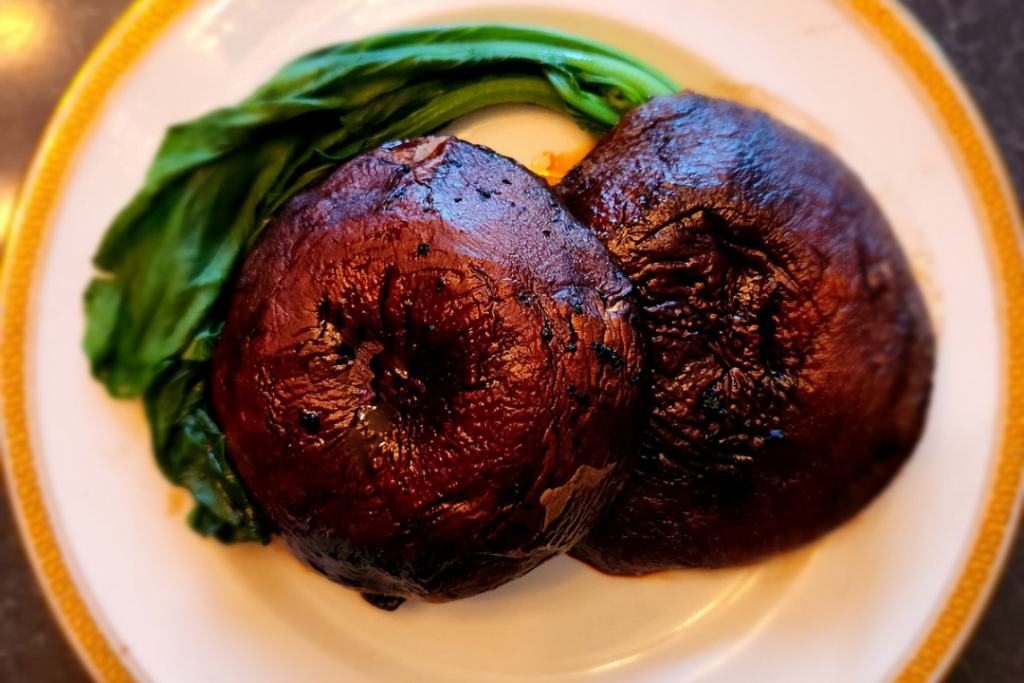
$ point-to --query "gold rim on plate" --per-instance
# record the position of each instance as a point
(146, 20)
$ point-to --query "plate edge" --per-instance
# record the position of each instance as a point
(146, 20)
(121, 47)
(995, 199)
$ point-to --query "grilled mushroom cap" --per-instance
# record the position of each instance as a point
(791, 351)
(427, 378)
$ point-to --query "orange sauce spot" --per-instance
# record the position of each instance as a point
(552, 166)
(176, 500)
(278, 546)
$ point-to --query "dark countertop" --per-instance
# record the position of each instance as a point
(984, 39)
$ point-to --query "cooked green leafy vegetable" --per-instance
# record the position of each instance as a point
(155, 313)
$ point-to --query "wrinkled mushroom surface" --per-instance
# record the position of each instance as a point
(791, 353)
(428, 373)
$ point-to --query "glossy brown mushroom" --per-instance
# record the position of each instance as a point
(428, 373)
(791, 352)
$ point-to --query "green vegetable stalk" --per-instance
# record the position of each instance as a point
(155, 313)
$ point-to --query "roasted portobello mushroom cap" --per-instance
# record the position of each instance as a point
(428, 374)
(791, 353)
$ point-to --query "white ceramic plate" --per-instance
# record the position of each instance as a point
(887, 597)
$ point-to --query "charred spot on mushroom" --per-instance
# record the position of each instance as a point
(606, 355)
(310, 422)
(438, 375)
(789, 343)
(345, 353)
